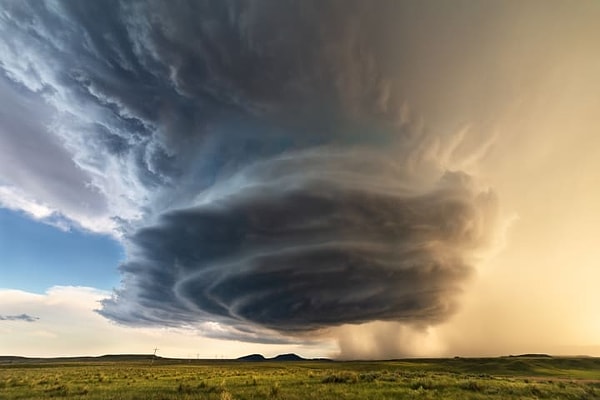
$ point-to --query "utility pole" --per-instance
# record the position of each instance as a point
(154, 355)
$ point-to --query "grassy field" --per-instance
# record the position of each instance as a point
(494, 378)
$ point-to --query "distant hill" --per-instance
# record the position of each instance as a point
(253, 357)
(10, 359)
(107, 357)
(288, 357)
(281, 357)
(144, 358)
(533, 355)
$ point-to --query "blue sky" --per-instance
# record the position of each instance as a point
(36, 256)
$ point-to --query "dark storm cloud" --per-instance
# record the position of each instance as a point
(20, 317)
(259, 157)
(338, 241)
(154, 95)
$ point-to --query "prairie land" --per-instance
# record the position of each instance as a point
(143, 378)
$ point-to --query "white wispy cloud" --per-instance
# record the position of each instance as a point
(69, 325)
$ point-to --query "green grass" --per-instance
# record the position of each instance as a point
(497, 378)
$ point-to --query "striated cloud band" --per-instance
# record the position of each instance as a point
(309, 241)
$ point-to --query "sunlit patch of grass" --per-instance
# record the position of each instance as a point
(341, 377)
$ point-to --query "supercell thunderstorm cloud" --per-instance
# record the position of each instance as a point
(309, 240)
(264, 163)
